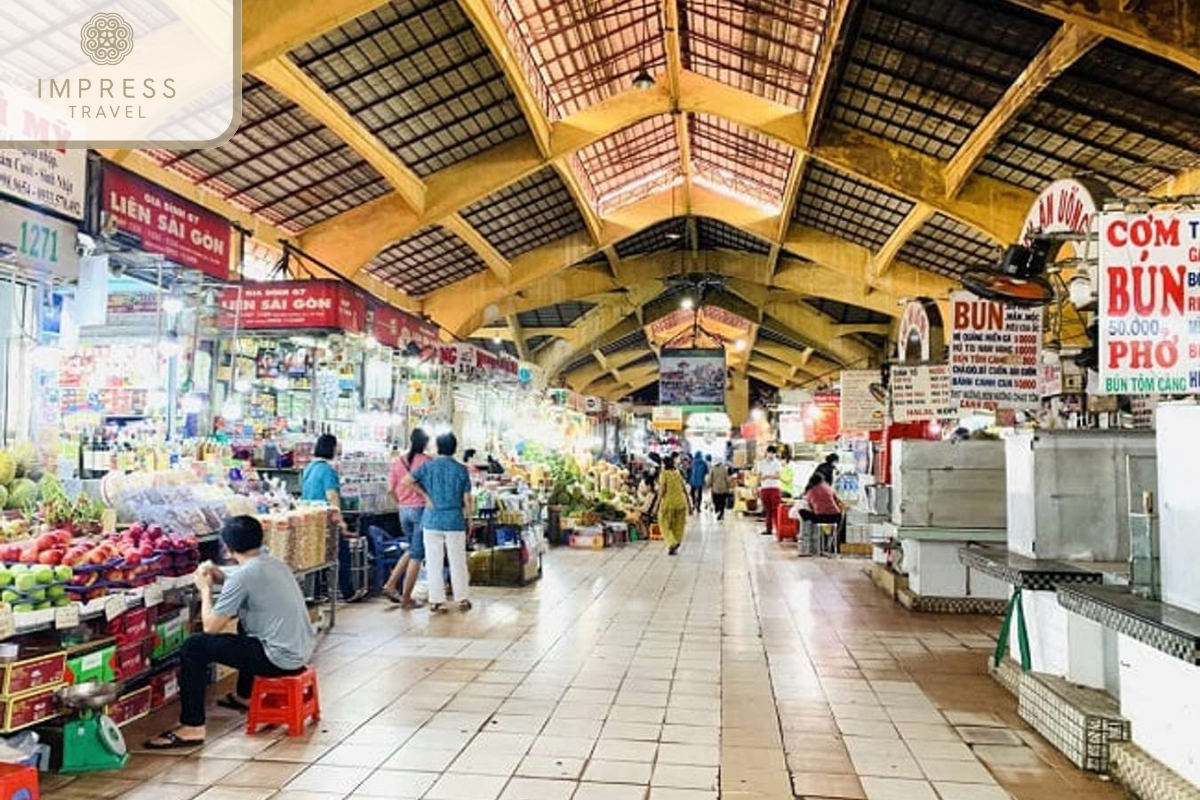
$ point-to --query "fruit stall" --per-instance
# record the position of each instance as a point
(96, 585)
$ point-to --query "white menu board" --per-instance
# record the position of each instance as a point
(921, 393)
(860, 410)
(995, 354)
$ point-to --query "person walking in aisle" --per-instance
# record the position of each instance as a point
(320, 482)
(769, 470)
(721, 487)
(412, 509)
(696, 480)
(445, 485)
(673, 505)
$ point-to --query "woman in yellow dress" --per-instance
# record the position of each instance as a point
(673, 506)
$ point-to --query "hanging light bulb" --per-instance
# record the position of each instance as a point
(687, 304)
(739, 345)
(643, 79)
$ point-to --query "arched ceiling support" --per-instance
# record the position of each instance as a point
(270, 28)
(1069, 43)
(603, 323)
(353, 238)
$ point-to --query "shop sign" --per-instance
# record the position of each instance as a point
(995, 353)
(860, 411)
(1066, 206)
(1150, 302)
(295, 305)
(165, 223)
(791, 427)
(821, 417)
(50, 179)
(666, 418)
(921, 393)
(39, 242)
(920, 324)
(394, 328)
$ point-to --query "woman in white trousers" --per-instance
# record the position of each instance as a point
(446, 485)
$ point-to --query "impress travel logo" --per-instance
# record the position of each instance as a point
(120, 74)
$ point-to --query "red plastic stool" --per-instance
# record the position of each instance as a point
(18, 783)
(287, 700)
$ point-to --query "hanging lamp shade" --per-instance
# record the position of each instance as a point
(643, 80)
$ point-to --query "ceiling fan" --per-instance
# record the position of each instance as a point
(1021, 278)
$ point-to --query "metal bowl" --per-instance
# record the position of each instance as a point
(92, 695)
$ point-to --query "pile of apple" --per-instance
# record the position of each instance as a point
(144, 545)
(49, 548)
(34, 588)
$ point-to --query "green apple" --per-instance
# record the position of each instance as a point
(61, 573)
(9, 596)
(44, 573)
(6, 577)
(56, 591)
(38, 595)
(42, 606)
(26, 582)
(59, 602)
(17, 569)
(22, 608)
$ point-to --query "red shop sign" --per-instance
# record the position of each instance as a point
(296, 305)
(394, 328)
(165, 223)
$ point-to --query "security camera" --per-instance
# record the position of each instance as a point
(84, 245)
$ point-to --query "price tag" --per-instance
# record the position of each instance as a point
(153, 595)
(66, 616)
(114, 607)
(8, 623)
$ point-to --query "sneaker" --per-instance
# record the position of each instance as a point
(673, 549)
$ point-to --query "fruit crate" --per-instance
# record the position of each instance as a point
(133, 625)
(164, 687)
(95, 664)
(132, 659)
(25, 675)
(30, 709)
(169, 634)
(132, 706)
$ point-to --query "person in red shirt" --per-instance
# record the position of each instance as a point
(412, 508)
(824, 507)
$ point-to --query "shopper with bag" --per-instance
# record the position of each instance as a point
(412, 510)
(445, 485)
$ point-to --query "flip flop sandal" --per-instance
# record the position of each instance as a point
(231, 702)
(465, 605)
(393, 596)
(409, 605)
(437, 608)
(173, 742)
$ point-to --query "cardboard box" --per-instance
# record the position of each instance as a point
(35, 672)
(21, 712)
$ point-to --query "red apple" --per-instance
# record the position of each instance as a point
(133, 557)
(52, 557)
(96, 557)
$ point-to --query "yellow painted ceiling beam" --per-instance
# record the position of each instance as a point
(601, 324)
(518, 336)
(814, 329)
(1070, 43)
(1169, 29)
(497, 263)
(882, 260)
(289, 80)
(270, 28)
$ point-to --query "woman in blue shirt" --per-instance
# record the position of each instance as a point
(446, 486)
(320, 482)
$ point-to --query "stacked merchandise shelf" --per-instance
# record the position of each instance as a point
(507, 538)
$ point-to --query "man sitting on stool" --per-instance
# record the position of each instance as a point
(274, 634)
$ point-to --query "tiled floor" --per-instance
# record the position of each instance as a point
(735, 670)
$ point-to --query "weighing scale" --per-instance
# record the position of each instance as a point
(93, 742)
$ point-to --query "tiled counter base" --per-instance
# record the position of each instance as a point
(1145, 777)
(1080, 722)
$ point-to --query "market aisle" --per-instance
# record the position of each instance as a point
(627, 675)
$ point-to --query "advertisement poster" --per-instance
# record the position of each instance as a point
(166, 224)
(995, 354)
(921, 393)
(1150, 302)
(860, 411)
(691, 377)
(394, 328)
(50, 179)
(295, 305)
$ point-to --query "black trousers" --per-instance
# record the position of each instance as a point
(721, 502)
(243, 653)
(697, 497)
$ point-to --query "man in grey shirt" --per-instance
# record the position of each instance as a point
(274, 634)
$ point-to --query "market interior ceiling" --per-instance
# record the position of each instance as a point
(805, 163)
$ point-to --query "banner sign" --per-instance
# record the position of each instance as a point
(1066, 206)
(667, 418)
(860, 410)
(995, 354)
(473, 363)
(165, 223)
(296, 305)
(50, 179)
(791, 427)
(921, 393)
(691, 377)
(821, 417)
(1150, 302)
(394, 328)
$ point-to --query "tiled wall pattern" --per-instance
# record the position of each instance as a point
(1147, 778)
(1182, 645)
(1080, 722)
